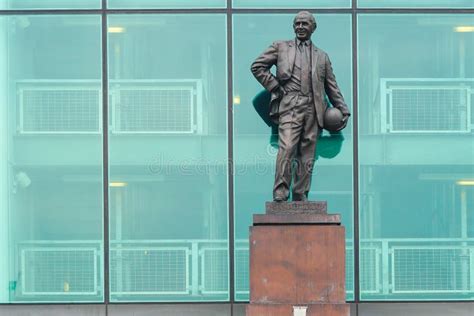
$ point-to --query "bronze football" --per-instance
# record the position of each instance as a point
(333, 119)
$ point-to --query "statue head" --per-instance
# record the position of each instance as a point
(304, 24)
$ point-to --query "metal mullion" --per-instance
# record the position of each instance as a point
(417, 301)
(164, 303)
(230, 153)
(105, 154)
(291, 11)
(355, 154)
(167, 11)
(52, 12)
(356, 10)
(414, 11)
(240, 11)
(111, 11)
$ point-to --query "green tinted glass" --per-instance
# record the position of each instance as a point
(416, 4)
(291, 4)
(254, 147)
(416, 156)
(49, 4)
(148, 4)
(51, 184)
(168, 158)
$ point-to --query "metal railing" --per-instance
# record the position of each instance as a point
(201, 267)
(59, 268)
(418, 266)
(426, 105)
(169, 267)
(167, 106)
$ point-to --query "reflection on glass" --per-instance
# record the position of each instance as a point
(254, 146)
(49, 4)
(50, 159)
(169, 4)
(416, 157)
(292, 4)
(416, 4)
(168, 158)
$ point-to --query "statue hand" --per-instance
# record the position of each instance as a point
(345, 119)
(280, 91)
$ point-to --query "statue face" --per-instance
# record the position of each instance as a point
(303, 27)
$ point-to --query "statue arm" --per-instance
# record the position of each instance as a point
(332, 89)
(261, 68)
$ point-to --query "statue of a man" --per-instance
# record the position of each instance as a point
(303, 77)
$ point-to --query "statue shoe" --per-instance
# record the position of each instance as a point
(299, 198)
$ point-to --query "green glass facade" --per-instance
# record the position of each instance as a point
(254, 152)
(49, 4)
(51, 201)
(131, 162)
(168, 158)
(416, 153)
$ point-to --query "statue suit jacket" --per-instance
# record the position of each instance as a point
(282, 54)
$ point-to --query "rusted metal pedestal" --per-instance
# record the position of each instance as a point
(297, 261)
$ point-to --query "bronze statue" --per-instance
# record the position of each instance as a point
(303, 77)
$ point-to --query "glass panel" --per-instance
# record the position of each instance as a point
(168, 158)
(253, 151)
(263, 4)
(416, 156)
(169, 4)
(416, 4)
(49, 4)
(51, 201)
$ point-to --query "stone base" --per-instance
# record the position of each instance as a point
(297, 264)
(287, 219)
(307, 207)
(287, 310)
(285, 213)
(297, 259)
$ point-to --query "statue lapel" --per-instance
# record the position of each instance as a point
(314, 60)
(291, 55)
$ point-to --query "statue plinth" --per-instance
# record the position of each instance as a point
(297, 261)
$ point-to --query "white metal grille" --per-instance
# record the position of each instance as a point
(370, 270)
(149, 270)
(155, 110)
(349, 274)
(215, 266)
(242, 275)
(426, 105)
(413, 267)
(430, 269)
(59, 110)
(429, 109)
(59, 271)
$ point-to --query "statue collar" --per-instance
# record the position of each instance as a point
(306, 43)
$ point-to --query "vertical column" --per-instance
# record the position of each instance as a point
(230, 150)
(355, 148)
(105, 153)
(4, 268)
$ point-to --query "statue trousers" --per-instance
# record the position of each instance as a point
(298, 132)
